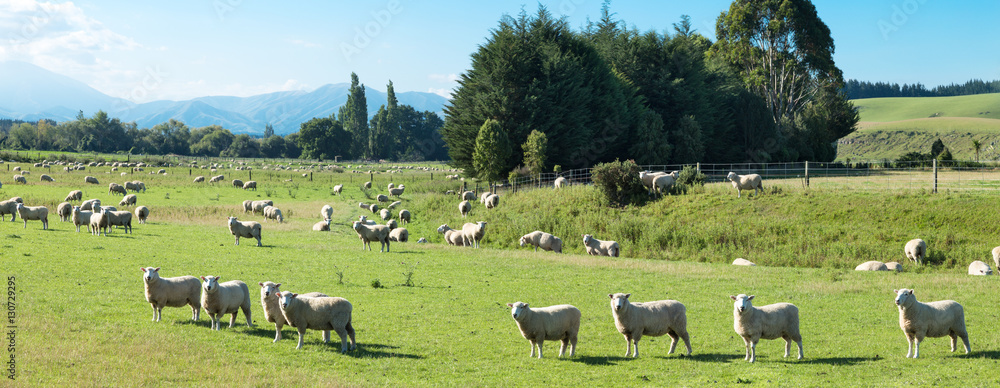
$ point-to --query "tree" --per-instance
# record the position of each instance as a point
(323, 138)
(354, 118)
(268, 130)
(492, 151)
(937, 148)
(535, 149)
(383, 135)
(242, 147)
(977, 145)
(272, 147)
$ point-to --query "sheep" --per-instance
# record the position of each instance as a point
(322, 226)
(745, 182)
(46, 178)
(464, 207)
(916, 250)
(338, 189)
(421, 240)
(894, 266)
(8, 207)
(74, 195)
(114, 188)
(250, 229)
(404, 216)
(128, 200)
(369, 233)
(219, 299)
(140, 185)
(597, 247)
(560, 182)
(363, 205)
(483, 196)
(647, 178)
(247, 206)
(119, 218)
(98, 223)
(25, 173)
(492, 201)
(980, 268)
(321, 313)
(171, 292)
(366, 221)
(468, 196)
(273, 213)
(65, 211)
(217, 178)
(472, 233)
(382, 198)
(269, 301)
(544, 240)
(932, 319)
(141, 213)
(20, 179)
(654, 318)
(250, 185)
(90, 179)
(996, 257)
(80, 217)
(258, 206)
(663, 183)
(33, 213)
(131, 186)
(560, 322)
(326, 212)
(399, 235)
(398, 191)
(89, 204)
(367, 185)
(451, 236)
(871, 266)
(373, 208)
(779, 320)
(17, 199)
(199, 179)
(237, 183)
(744, 262)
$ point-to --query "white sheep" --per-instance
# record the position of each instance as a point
(373, 208)
(560, 322)
(171, 292)
(655, 318)
(367, 185)
(81, 217)
(131, 186)
(933, 319)
(20, 179)
(597, 247)
(199, 179)
(366, 221)
(33, 213)
(472, 233)
(894, 266)
(46, 178)
(8, 207)
(995, 252)
(247, 206)
(273, 213)
(916, 250)
(404, 216)
(74, 195)
(397, 191)
(363, 205)
(468, 196)
(217, 178)
(399, 235)
(394, 204)
(385, 214)
(250, 185)
(871, 266)
(560, 182)
(119, 218)
(141, 213)
(464, 207)
(980, 268)
(319, 313)
(65, 211)
(779, 320)
(382, 198)
(744, 262)
(451, 236)
(369, 233)
(90, 179)
(326, 212)
(89, 204)
(128, 200)
(492, 201)
(322, 226)
(647, 178)
(745, 182)
(258, 206)
(219, 299)
(482, 197)
(250, 229)
(663, 183)
(114, 188)
(272, 312)
(544, 240)
(421, 240)
(338, 189)
(236, 183)
(98, 223)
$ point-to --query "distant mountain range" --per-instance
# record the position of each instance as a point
(29, 92)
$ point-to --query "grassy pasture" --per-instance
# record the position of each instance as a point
(82, 319)
(905, 108)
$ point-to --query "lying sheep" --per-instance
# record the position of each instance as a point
(119, 218)
(472, 233)
(745, 182)
(258, 206)
(128, 200)
(464, 207)
(932, 319)
(319, 313)
(81, 217)
(141, 213)
(338, 189)
(655, 318)
(597, 247)
(492, 201)
(33, 213)
(382, 198)
(399, 235)
(451, 236)
(90, 179)
(916, 250)
(980, 268)
(744, 262)
(560, 322)
(468, 196)
(65, 211)
(322, 226)
(171, 292)
(363, 205)
(366, 221)
(114, 188)
(272, 312)
(46, 178)
(273, 213)
(373, 208)
(421, 240)
(20, 179)
(89, 204)
(369, 233)
(74, 195)
(398, 191)
(404, 216)
(98, 223)
(250, 229)
(326, 212)
(394, 204)
(996, 257)
(8, 207)
(894, 266)
(199, 179)
(779, 320)
(219, 299)
(544, 240)
(560, 182)
(385, 214)
(250, 185)
(871, 266)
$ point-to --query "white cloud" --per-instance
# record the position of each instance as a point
(446, 93)
(443, 77)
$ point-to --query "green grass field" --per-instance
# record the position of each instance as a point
(82, 320)
(906, 108)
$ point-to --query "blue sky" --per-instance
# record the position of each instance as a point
(150, 50)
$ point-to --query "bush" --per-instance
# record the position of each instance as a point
(619, 184)
(689, 177)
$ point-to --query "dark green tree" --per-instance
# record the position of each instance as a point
(323, 138)
(268, 130)
(243, 146)
(492, 151)
(937, 148)
(354, 119)
(272, 147)
(535, 149)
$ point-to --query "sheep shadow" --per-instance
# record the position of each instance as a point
(712, 357)
(599, 360)
(839, 361)
(378, 351)
(990, 354)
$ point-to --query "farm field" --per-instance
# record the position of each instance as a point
(82, 319)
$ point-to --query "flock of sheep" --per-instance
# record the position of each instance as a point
(98, 219)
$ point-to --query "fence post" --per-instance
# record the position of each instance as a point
(935, 177)
(807, 173)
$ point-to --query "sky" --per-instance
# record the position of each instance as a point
(152, 50)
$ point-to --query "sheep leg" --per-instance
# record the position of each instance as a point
(687, 341)
(277, 331)
(539, 343)
(954, 340)
(532, 354)
(916, 345)
(156, 313)
(195, 312)
(350, 333)
(799, 342)
(746, 343)
(258, 242)
(965, 339)
(302, 333)
(572, 342)
(562, 347)
(788, 344)
(673, 341)
(237, 240)
(326, 336)
(909, 345)
(628, 345)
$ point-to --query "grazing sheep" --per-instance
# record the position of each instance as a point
(469, 196)
(492, 201)
(128, 200)
(655, 318)
(33, 213)
(894, 266)
(89, 204)
(382, 198)
(81, 217)
(237, 183)
(663, 183)
(464, 207)
(744, 262)
(779, 320)
(273, 213)
(745, 182)
(483, 196)
(272, 312)
(46, 178)
(247, 206)
(90, 179)
(560, 182)
(338, 189)
(217, 178)
(980, 268)
(473, 233)
(391, 186)
(399, 235)
(250, 229)
(320, 313)
(404, 216)
(98, 223)
(114, 188)
(141, 213)
(258, 206)
(385, 214)
(74, 195)
(8, 207)
(219, 299)
(369, 233)
(250, 185)
(647, 178)
(171, 292)
(871, 266)
(932, 319)
(162, 171)
(119, 218)
(996, 257)
(544, 240)
(916, 250)
(65, 211)
(451, 236)
(20, 179)
(199, 179)
(373, 208)
(367, 185)
(560, 322)
(394, 204)
(398, 191)
(131, 186)
(142, 186)
(322, 226)
(597, 247)
(326, 212)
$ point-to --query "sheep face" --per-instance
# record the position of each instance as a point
(742, 302)
(285, 299)
(210, 283)
(619, 301)
(269, 289)
(232, 221)
(150, 274)
(443, 228)
(517, 309)
(524, 240)
(356, 225)
(904, 297)
(586, 239)
(732, 176)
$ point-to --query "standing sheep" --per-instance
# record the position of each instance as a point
(199, 179)
(779, 320)
(128, 200)
(258, 206)
(916, 250)
(382, 198)
(219, 299)
(871, 266)
(473, 233)
(89, 204)
(322, 226)
(65, 211)
(171, 292)
(399, 235)
(319, 313)
(90, 179)
(560, 322)
(597, 247)
(663, 183)
(745, 182)
(273, 213)
(99, 223)
(119, 218)
(141, 213)
(544, 240)
(468, 196)
(338, 189)
(33, 213)
(655, 318)
(933, 319)
(398, 191)
(8, 207)
(492, 201)
(250, 229)
(404, 216)
(560, 182)
(20, 179)
(272, 312)
(980, 268)
(237, 183)
(250, 185)
(483, 196)
(326, 212)
(81, 217)
(247, 206)
(114, 188)
(451, 236)
(74, 195)
(130, 186)
(46, 178)
(217, 178)
(369, 233)
(464, 207)
(385, 214)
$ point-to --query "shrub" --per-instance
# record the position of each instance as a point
(689, 177)
(619, 184)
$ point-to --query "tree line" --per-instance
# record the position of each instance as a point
(855, 89)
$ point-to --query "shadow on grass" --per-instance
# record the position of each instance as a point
(377, 351)
(712, 357)
(836, 360)
(990, 354)
(598, 360)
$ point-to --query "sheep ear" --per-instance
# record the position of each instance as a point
(277, 285)
(612, 296)
(627, 295)
(202, 278)
(261, 284)
(733, 297)
(750, 298)
(510, 305)
(143, 269)
(157, 269)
